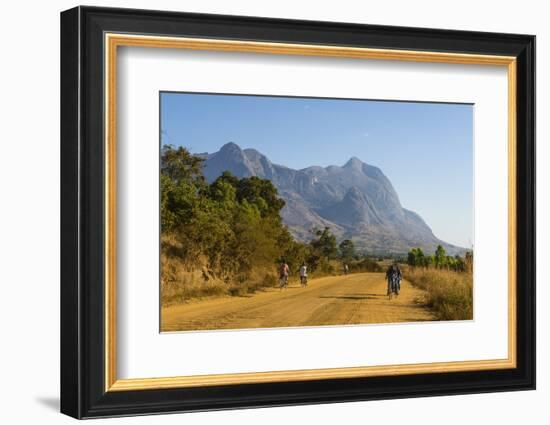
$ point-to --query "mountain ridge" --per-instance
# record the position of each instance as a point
(356, 201)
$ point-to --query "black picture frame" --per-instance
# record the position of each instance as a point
(82, 212)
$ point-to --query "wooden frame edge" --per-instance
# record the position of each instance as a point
(512, 212)
(110, 213)
(306, 375)
(114, 40)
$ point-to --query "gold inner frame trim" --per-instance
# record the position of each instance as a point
(113, 41)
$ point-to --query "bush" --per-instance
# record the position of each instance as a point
(365, 265)
(448, 293)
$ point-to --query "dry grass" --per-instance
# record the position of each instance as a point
(178, 284)
(448, 293)
(189, 285)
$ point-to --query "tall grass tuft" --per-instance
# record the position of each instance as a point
(448, 293)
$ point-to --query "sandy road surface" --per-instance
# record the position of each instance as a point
(334, 300)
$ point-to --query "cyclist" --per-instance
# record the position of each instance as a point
(390, 276)
(346, 269)
(283, 275)
(303, 275)
(398, 278)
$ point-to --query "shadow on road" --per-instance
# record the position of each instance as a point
(355, 297)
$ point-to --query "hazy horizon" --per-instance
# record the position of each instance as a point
(425, 149)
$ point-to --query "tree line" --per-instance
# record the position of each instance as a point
(440, 260)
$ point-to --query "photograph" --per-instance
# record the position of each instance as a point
(280, 211)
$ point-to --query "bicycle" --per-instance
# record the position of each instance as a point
(283, 282)
(393, 287)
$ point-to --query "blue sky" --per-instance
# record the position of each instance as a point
(425, 149)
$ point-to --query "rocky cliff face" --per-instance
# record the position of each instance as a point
(357, 201)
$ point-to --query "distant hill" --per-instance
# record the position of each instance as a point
(356, 201)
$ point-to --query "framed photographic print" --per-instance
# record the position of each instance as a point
(261, 212)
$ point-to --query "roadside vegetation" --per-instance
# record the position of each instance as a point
(448, 282)
(227, 237)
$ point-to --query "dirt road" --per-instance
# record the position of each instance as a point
(334, 300)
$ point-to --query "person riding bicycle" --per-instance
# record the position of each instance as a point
(303, 274)
(283, 274)
(394, 276)
(389, 276)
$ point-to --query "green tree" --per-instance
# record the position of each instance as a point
(440, 257)
(450, 262)
(460, 265)
(180, 165)
(416, 258)
(325, 244)
(181, 180)
(262, 193)
(293, 252)
(255, 244)
(411, 258)
(347, 249)
(429, 261)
